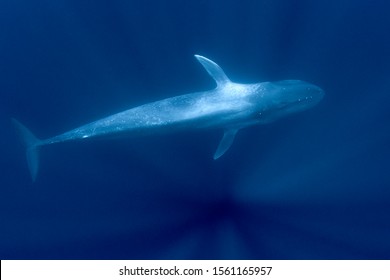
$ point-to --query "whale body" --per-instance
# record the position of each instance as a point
(230, 106)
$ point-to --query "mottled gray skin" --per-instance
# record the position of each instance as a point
(230, 106)
(215, 108)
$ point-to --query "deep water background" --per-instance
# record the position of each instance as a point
(311, 186)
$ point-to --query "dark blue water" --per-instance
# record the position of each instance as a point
(312, 186)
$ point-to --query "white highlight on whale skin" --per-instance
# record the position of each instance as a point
(230, 106)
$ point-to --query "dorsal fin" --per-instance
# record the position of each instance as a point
(214, 70)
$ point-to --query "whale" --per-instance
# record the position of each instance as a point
(230, 106)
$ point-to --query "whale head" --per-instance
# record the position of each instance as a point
(297, 95)
(282, 98)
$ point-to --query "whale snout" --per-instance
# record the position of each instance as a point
(314, 93)
(295, 96)
(316, 90)
(311, 94)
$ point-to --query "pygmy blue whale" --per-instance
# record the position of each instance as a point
(230, 106)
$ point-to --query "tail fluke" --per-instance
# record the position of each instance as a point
(32, 145)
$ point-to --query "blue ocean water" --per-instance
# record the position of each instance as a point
(311, 186)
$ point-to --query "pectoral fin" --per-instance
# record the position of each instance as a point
(214, 70)
(226, 142)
